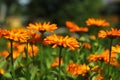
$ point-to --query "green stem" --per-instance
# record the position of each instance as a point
(110, 51)
(60, 56)
(11, 57)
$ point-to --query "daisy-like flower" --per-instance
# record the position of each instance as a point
(42, 27)
(56, 62)
(97, 22)
(113, 33)
(86, 45)
(56, 40)
(76, 69)
(17, 35)
(75, 28)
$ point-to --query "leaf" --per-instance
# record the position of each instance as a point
(2, 63)
(21, 78)
(33, 73)
(8, 75)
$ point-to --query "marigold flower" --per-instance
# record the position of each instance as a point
(75, 28)
(56, 62)
(110, 34)
(42, 27)
(97, 22)
(77, 70)
(56, 40)
(99, 77)
(2, 71)
(18, 35)
(86, 45)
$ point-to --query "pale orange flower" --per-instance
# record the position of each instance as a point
(56, 40)
(77, 70)
(75, 28)
(42, 27)
(97, 22)
(99, 77)
(2, 71)
(86, 45)
(56, 62)
(110, 34)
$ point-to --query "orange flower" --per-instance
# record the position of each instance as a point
(56, 40)
(112, 33)
(2, 71)
(56, 62)
(18, 35)
(75, 28)
(77, 70)
(42, 27)
(86, 45)
(97, 22)
(99, 77)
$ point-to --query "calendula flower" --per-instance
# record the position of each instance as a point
(17, 35)
(42, 27)
(86, 45)
(113, 33)
(116, 49)
(97, 22)
(56, 40)
(77, 70)
(56, 62)
(75, 28)
(99, 77)
(2, 71)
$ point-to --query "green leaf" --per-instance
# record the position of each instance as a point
(21, 78)
(8, 75)
(33, 73)
(2, 63)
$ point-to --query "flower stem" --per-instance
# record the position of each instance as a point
(11, 57)
(60, 56)
(110, 51)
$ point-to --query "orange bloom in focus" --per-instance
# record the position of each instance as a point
(56, 40)
(97, 22)
(86, 45)
(56, 62)
(77, 70)
(75, 28)
(18, 35)
(112, 33)
(42, 27)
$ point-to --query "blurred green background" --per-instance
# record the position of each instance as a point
(19, 12)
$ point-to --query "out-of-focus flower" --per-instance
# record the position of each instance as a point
(56, 40)
(77, 70)
(42, 27)
(116, 49)
(86, 45)
(97, 22)
(75, 28)
(109, 34)
(99, 77)
(2, 71)
(92, 37)
(56, 62)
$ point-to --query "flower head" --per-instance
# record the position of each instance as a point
(76, 69)
(97, 22)
(56, 40)
(56, 62)
(42, 27)
(110, 34)
(75, 28)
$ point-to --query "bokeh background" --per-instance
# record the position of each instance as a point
(16, 13)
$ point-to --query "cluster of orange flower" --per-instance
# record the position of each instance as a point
(77, 70)
(56, 40)
(97, 22)
(105, 57)
(19, 49)
(75, 28)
